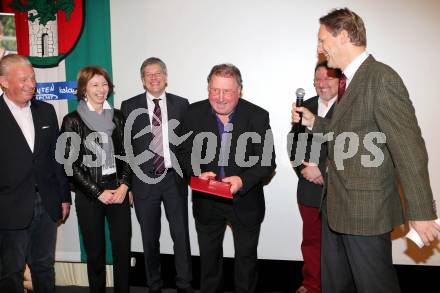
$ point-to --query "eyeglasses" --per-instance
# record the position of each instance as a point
(224, 92)
(327, 79)
(153, 75)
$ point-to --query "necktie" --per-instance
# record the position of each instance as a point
(341, 87)
(157, 142)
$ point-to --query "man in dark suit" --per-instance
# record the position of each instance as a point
(362, 203)
(34, 192)
(311, 175)
(240, 152)
(156, 180)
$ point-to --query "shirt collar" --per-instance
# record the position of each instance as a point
(105, 106)
(330, 102)
(13, 106)
(354, 65)
(230, 116)
(162, 96)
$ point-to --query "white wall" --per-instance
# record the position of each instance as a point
(274, 45)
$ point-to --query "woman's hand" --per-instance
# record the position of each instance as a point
(106, 196)
(119, 194)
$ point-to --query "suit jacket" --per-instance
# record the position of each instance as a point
(365, 200)
(309, 193)
(21, 170)
(248, 203)
(176, 108)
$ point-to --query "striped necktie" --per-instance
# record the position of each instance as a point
(157, 142)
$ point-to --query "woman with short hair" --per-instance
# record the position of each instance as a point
(100, 179)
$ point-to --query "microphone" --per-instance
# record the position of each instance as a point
(300, 93)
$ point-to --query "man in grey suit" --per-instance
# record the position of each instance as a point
(157, 181)
(362, 203)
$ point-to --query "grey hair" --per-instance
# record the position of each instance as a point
(12, 59)
(151, 61)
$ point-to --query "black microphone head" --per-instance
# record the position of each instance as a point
(300, 93)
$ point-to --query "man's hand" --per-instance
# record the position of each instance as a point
(428, 230)
(65, 211)
(119, 194)
(308, 118)
(312, 173)
(236, 183)
(207, 175)
(106, 196)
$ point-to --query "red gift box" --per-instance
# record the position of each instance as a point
(211, 186)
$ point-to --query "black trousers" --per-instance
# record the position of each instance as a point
(352, 263)
(91, 218)
(34, 245)
(148, 212)
(210, 237)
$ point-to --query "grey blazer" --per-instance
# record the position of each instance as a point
(364, 199)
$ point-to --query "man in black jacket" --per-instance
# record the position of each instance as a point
(156, 180)
(34, 193)
(235, 135)
(311, 175)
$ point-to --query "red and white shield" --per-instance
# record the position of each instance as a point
(46, 45)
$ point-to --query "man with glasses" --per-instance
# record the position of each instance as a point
(311, 177)
(162, 183)
(241, 147)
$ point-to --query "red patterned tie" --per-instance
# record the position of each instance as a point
(341, 87)
(157, 142)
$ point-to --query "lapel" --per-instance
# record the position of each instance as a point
(173, 112)
(209, 123)
(141, 130)
(171, 107)
(212, 121)
(38, 124)
(350, 94)
(330, 112)
(8, 121)
(314, 106)
(141, 103)
(239, 120)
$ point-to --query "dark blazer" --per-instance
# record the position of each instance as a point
(21, 170)
(309, 193)
(176, 108)
(366, 200)
(248, 203)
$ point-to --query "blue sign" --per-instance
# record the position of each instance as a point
(51, 91)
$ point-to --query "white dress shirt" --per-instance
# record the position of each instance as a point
(23, 116)
(322, 108)
(164, 112)
(354, 66)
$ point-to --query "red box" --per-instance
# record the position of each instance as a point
(210, 186)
